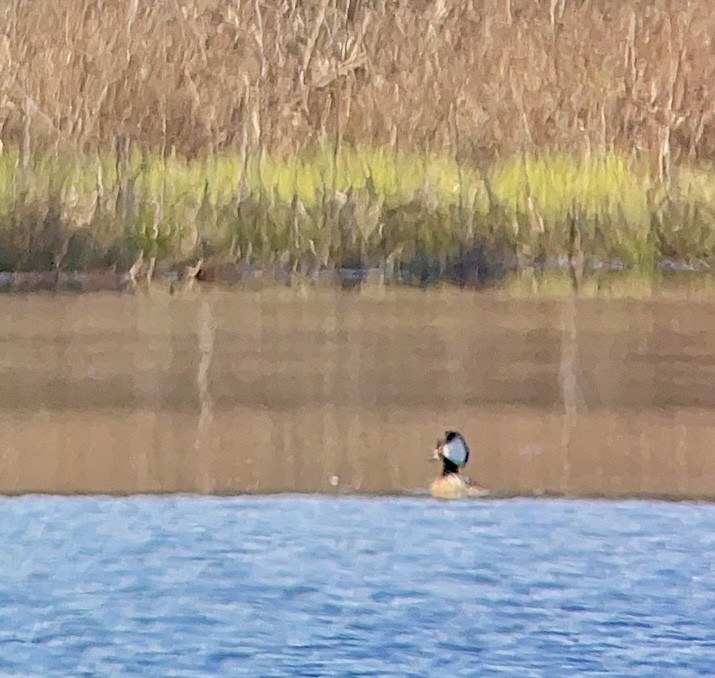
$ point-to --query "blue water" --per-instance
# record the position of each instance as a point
(319, 586)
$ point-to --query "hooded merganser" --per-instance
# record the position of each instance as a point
(453, 452)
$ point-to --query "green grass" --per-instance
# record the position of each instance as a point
(609, 194)
(364, 204)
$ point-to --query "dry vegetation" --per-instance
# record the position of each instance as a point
(244, 88)
(483, 77)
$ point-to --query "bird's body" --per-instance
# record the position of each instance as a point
(449, 486)
(453, 452)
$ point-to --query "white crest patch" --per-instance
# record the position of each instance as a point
(455, 451)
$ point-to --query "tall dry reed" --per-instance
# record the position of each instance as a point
(475, 77)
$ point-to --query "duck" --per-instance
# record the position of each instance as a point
(453, 452)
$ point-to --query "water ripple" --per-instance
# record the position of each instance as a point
(315, 586)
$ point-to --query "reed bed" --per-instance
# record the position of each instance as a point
(464, 136)
(362, 208)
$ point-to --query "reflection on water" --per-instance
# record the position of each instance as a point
(281, 390)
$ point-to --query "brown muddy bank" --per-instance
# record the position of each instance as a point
(233, 391)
